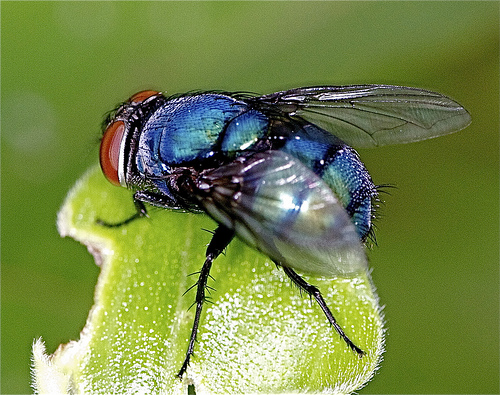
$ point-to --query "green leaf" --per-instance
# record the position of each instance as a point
(259, 334)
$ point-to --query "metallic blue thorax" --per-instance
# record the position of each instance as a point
(210, 130)
(189, 131)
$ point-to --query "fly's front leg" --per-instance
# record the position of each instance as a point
(140, 212)
(316, 294)
(220, 240)
(139, 198)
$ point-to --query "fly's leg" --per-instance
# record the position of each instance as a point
(139, 198)
(316, 294)
(220, 240)
(140, 212)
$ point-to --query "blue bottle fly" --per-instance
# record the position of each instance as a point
(277, 171)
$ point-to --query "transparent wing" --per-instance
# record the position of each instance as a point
(283, 209)
(372, 115)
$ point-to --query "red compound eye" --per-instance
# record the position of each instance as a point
(141, 96)
(109, 153)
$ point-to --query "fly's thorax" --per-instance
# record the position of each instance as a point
(201, 131)
(186, 135)
(244, 132)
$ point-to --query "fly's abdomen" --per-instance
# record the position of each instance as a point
(340, 168)
(348, 177)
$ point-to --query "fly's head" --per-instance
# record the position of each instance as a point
(121, 130)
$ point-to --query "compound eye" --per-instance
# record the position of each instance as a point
(109, 153)
(142, 96)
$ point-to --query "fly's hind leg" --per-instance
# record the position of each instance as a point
(316, 294)
(220, 240)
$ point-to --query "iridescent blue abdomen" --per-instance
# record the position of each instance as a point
(340, 168)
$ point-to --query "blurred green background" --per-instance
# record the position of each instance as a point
(64, 64)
